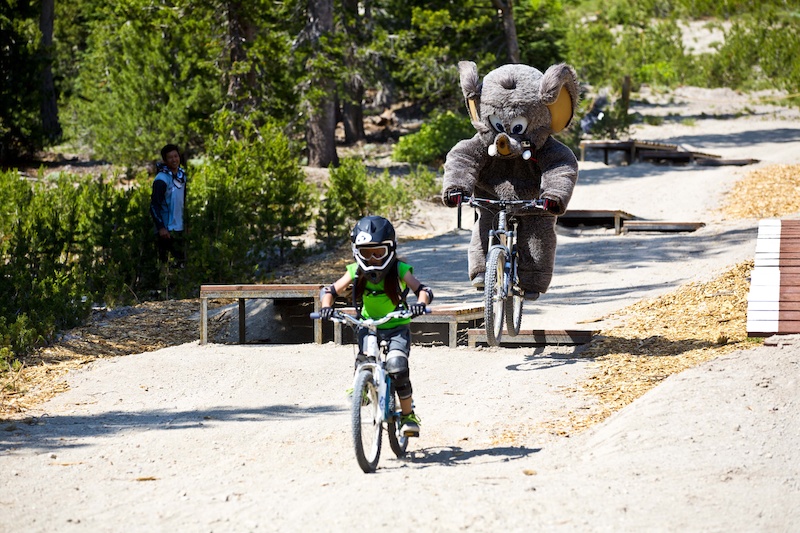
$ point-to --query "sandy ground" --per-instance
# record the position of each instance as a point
(257, 437)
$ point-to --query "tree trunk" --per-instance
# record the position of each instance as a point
(356, 28)
(506, 9)
(353, 112)
(321, 129)
(49, 107)
(241, 32)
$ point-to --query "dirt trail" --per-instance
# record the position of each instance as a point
(256, 437)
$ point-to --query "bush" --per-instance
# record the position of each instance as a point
(353, 193)
(435, 138)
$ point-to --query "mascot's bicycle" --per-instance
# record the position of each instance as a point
(502, 294)
(375, 402)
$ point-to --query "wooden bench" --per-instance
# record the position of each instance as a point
(535, 337)
(452, 315)
(773, 303)
(308, 292)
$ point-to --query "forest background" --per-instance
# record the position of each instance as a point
(256, 92)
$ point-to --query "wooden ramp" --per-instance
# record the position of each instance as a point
(660, 153)
(773, 304)
(621, 221)
(660, 226)
(534, 337)
(606, 218)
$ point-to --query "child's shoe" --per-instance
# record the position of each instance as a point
(409, 425)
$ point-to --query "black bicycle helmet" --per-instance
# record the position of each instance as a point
(374, 245)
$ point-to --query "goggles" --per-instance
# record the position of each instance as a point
(372, 252)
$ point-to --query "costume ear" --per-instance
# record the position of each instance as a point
(559, 92)
(560, 111)
(471, 87)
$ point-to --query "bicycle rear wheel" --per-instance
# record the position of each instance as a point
(514, 300)
(398, 443)
(493, 304)
(367, 428)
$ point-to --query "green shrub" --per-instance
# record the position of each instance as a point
(353, 193)
(435, 138)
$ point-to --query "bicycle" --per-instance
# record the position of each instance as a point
(374, 398)
(502, 294)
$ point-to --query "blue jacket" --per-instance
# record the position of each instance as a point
(168, 199)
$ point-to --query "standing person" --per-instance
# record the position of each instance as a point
(167, 205)
(380, 285)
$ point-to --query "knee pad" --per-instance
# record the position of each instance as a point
(397, 367)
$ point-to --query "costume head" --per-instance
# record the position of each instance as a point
(516, 107)
(374, 245)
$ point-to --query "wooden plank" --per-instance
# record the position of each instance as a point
(535, 337)
(660, 225)
(266, 288)
(714, 162)
(767, 328)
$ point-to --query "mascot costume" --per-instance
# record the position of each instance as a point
(515, 110)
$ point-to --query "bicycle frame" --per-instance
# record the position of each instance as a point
(376, 350)
(507, 240)
(500, 235)
(502, 296)
(373, 394)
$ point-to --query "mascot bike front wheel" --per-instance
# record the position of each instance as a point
(493, 294)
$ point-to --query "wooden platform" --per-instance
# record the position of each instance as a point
(535, 337)
(454, 316)
(773, 304)
(304, 292)
(598, 217)
(658, 153)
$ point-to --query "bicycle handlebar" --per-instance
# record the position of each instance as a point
(338, 316)
(474, 201)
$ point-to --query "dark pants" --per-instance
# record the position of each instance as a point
(175, 246)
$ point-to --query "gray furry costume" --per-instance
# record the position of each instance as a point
(513, 157)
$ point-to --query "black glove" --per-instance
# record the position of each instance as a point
(326, 313)
(417, 309)
(454, 198)
(551, 206)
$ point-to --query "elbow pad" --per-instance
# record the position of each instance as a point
(424, 288)
(330, 289)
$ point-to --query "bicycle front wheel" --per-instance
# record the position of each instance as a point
(514, 301)
(366, 420)
(398, 443)
(493, 304)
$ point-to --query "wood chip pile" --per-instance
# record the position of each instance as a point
(769, 192)
(663, 336)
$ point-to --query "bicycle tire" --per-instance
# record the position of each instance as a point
(398, 443)
(514, 300)
(493, 304)
(367, 427)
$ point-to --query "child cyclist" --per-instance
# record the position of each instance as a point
(380, 284)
